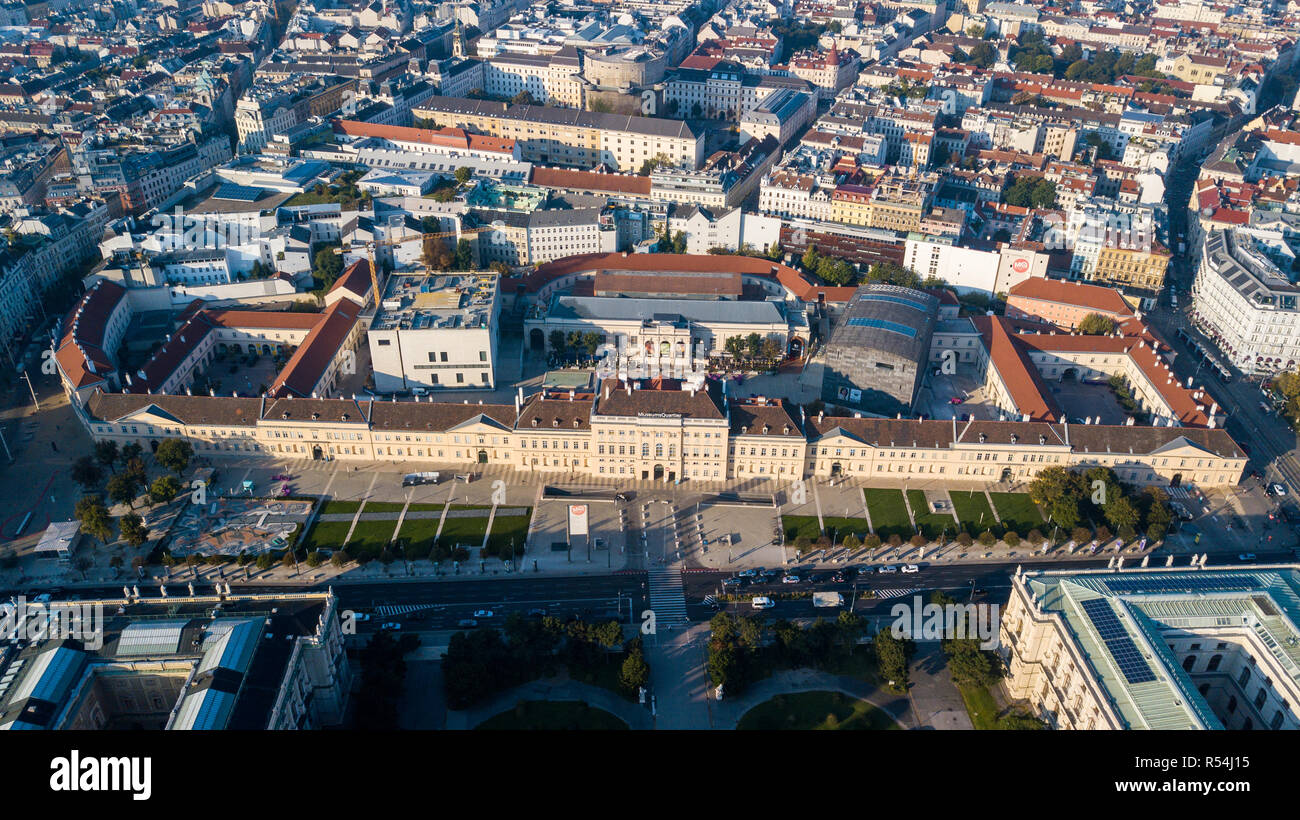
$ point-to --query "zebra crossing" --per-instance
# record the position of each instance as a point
(399, 609)
(893, 593)
(666, 596)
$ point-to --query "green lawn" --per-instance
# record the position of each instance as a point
(837, 528)
(815, 710)
(332, 507)
(1017, 512)
(533, 715)
(932, 525)
(888, 513)
(981, 706)
(417, 535)
(327, 535)
(797, 525)
(467, 532)
(384, 506)
(371, 537)
(973, 512)
(508, 527)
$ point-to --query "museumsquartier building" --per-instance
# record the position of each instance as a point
(659, 430)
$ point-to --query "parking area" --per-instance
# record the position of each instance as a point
(936, 395)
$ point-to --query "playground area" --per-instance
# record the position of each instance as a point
(229, 526)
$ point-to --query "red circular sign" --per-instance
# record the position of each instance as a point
(1020, 266)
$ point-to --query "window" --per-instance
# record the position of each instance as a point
(460, 378)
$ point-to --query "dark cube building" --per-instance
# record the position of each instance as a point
(877, 354)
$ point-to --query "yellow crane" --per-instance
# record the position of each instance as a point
(371, 244)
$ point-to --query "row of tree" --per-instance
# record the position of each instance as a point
(743, 649)
(1072, 498)
(481, 663)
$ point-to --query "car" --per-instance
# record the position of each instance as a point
(888, 569)
(622, 497)
(393, 625)
(43, 598)
(537, 612)
(467, 623)
(1246, 556)
(908, 569)
(762, 602)
(838, 577)
(482, 613)
(733, 582)
(956, 400)
(419, 391)
(361, 617)
(1278, 490)
(750, 573)
(980, 591)
(790, 579)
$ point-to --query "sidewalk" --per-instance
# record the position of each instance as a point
(726, 714)
(636, 716)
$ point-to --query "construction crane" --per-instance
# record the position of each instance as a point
(371, 244)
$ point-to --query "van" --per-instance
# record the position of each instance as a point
(762, 602)
(419, 391)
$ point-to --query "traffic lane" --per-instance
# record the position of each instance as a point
(804, 609)
(442, 616)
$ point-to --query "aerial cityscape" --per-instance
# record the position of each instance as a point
(625, 365)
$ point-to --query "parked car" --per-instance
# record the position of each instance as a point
(888, 569)
(733, 582)
(537, 612)
(467, 623)
(1246, 556)
(762, 602)
(1278, 490)
(908, 569)
(790, 579)
(482, 613)
(393, 625)
(750, 573)
(956, 400)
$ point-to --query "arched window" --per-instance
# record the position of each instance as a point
(1277, 720)
(1189, 662)
(1232, 704)
(1213, 665)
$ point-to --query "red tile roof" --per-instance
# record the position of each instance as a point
(573, 180)
(1092, 297)
(309, 362)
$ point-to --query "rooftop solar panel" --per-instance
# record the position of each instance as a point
(1127, 656)
(882, 324)
(1181, 583)
(238, 193)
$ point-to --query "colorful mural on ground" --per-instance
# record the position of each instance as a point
(229, 526)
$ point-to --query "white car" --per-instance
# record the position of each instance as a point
(483, 613)
(888, 569)
(908, 569)
(790, 579)
(762, 602)
(1278, 489)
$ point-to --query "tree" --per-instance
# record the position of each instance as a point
(892, 273)
(987, 538)
(133, 529)
(1011, 539)
(265, 561)
(1122, 515)
(94, 518)
(164, 489)
(86, 473)
(464, 172)
(174, 454)
(326, 266)
(122, 489)
(106, 453)
(339, 558)
(1094, 324)
(635, 672)
(871, 541)
(891, 657)
(315, 559)
(754, 344)
(131, 450)
(435, 254)
(464, 255)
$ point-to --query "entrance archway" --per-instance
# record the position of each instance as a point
(1177, 480)
(659, 472)
(796, 347)
(835, 469)
(537, 339)
(1006, 474)
(316, 453)
(1069, 374)
(482, 456)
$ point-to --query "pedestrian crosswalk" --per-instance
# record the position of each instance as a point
(399, 609)
(893, 593)
(666, 596)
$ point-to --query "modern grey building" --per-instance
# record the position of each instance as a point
(876, 355)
